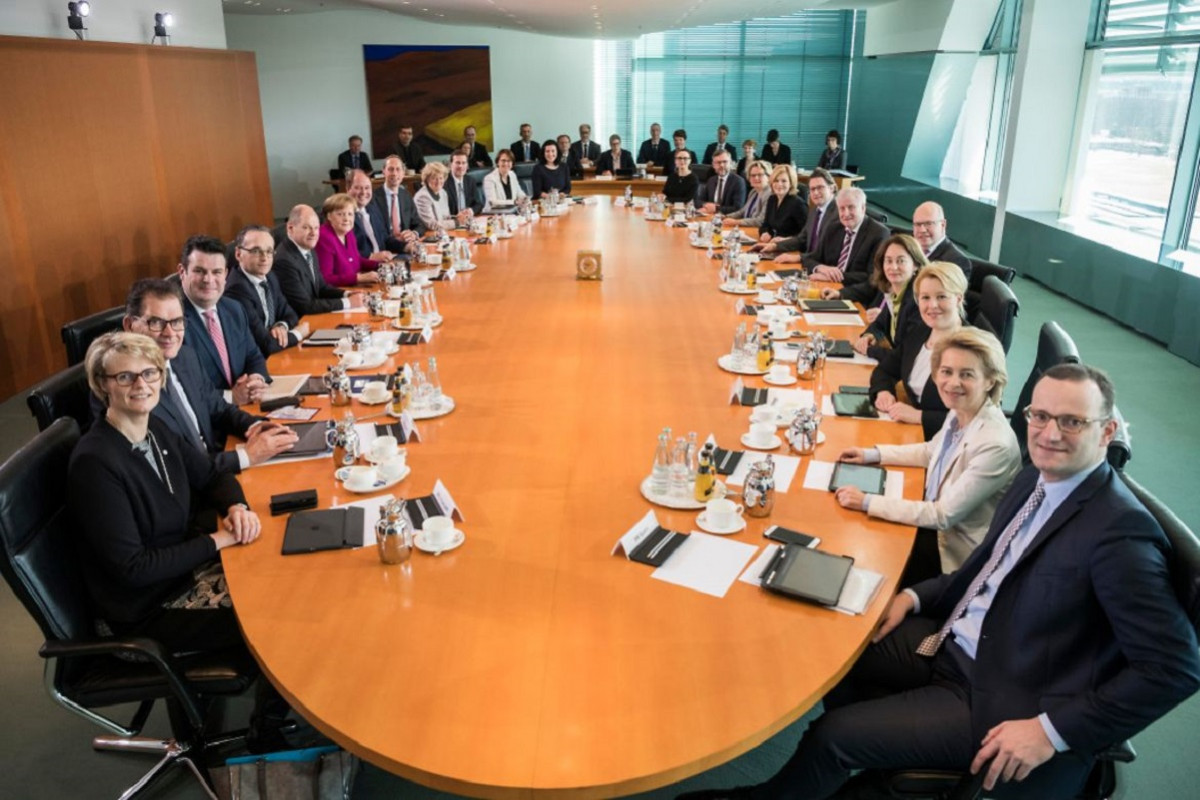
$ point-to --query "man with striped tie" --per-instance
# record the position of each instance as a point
(847, 250)
(1058, 637)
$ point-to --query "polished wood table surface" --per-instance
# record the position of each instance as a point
(530, 661)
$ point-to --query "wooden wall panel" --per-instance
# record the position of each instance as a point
(110, 156)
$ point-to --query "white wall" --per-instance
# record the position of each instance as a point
(199, 23)
(313, 86)
(917, 26)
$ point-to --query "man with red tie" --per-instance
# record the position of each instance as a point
(397, 207)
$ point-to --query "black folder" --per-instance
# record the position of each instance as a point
(327, 529)
(807, 574)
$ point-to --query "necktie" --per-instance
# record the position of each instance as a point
(458, 190)
(844, 258)
(366, 224)
(720, 190)
(264, 292)
(814, 233)
(174, 398)
(218, 340)
(395, 200)
(931, 643)
(312, 267)
(354, 160)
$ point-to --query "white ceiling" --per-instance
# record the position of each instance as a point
(601, 19)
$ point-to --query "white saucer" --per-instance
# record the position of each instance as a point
(424, 412)
(455, 541)
(783, 338)
(704, 525)
(770, 302)
(468, 268)
(380, 483)
(787, 382)
(775, 442)
(733, 288)
(367, 364)
(725, 362)
(362, 398)
(432, 322)
(820, 436)
(375, 460)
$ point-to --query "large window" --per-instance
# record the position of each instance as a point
(790, 73)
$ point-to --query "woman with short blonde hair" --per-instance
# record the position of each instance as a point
(433, 204)
(786, 211)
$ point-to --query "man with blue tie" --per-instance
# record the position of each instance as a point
(460, 190)
(274, 324)
(354, 158)
(1058, 637)
(222, 341)
(525, 149)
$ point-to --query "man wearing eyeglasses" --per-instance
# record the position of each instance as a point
(1059, 636)
(274, 324)
(188, 403)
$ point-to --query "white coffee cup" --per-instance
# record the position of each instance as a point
(352, 359)
(779, 372)
(384, 447)
(763, 414)
(374, 391)
(373, 355)
(778, 328)
(394, 467)
(361, 478)
(438, 531)
(395, 292)
(761, 434)
(722, 513)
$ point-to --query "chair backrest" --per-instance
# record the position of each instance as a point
(702, 172)
(278, 235)
(980, 269)
(524, 169)
(63, 394)
(478, 175)
(998, 309)
(1054, 347)
(38, 538)
(877, 215)
(1185, 550)
(79, 334)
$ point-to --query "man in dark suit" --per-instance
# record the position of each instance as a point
(461, 190)
(564, 146)
(1059, 636)
(525, 149)
(408, 150)
(720, 144)
(822, 216)
(929, 229)
(188, 402)
(846, 251)
(585, 151)
(370, 231)
(354, 158)
(274, 324)
(479, 153)
(396, 206)
(299, 273)
(615, 159)
(723, 191)
(220, 331)
(655, 150)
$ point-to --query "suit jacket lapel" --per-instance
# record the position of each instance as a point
(206, 348)
(1067, 509)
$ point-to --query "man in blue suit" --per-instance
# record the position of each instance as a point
(220, 331)
(725, 191)
(274, 324)
(1058, 637)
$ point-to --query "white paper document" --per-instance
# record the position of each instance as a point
(753, 573)
(284, 386)
(785, 469)
(859, 590)
(370, 509)
(829, 319)
(790, 397)
(706, 563)
(820, 473)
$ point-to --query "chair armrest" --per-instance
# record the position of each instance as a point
(1122, 752)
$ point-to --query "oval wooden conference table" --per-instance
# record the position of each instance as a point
(530, 661)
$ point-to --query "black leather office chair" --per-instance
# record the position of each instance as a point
(478, 175)
(702, 171)
(524, 173)
(82, 671)
(877, 215)
(79, 334)
(998, 308)
(63, 394)
(980, 271)
(1054, 347)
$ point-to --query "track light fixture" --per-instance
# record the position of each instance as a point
(75, 14)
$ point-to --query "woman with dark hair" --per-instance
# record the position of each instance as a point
(833, 156)
(889, 295)
(551, 171)
(501, 186)
(682, 184)
(775, 152)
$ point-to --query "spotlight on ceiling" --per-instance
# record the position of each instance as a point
(75, 14)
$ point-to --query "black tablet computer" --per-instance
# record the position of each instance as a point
(807, 574)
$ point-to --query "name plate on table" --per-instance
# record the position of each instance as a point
(437, 503)
(647, 542)
(740, 394)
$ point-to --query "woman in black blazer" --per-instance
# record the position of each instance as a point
(833, 156)
(888, 297)
(682, 184)
(940, 288)
(551, 171)
(776, 152)
(786, 213)
(748, 158)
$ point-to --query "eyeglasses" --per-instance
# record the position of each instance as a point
(259, 252)
(156, 324)
(1067, 423)
(932, 224)
(149, 375)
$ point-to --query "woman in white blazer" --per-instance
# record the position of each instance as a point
(969, 462)
(501, 186)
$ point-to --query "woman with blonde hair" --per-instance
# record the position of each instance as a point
(786, 212)
(337, 248)
(433, 205)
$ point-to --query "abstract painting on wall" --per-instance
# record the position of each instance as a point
(437, 90)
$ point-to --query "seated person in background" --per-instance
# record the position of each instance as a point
(551, 171)
(478, 154)
(299, 273)
(747, 158)
(408, 150)
(724, 192)
(460, 188)
(940, 289)
(131, 486)
(821, 217)
(501, 186)
(682, 186)
(929, 229)
(615, 159)
(846, 250)
(222, 341)
(396, 205)
(354, 158)
(719, 145)
(433, 205)
(833, 156)
(889, 296)
(525, 149)
(786, 213)
(567, 157)
(751, 214)
(370, 230)
(679, 138)
(274, 324)
(776, 152)
(969, 463)
(1059, 636)
(585, 151)
(655, 151)
(189, 404)
(337, 251)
